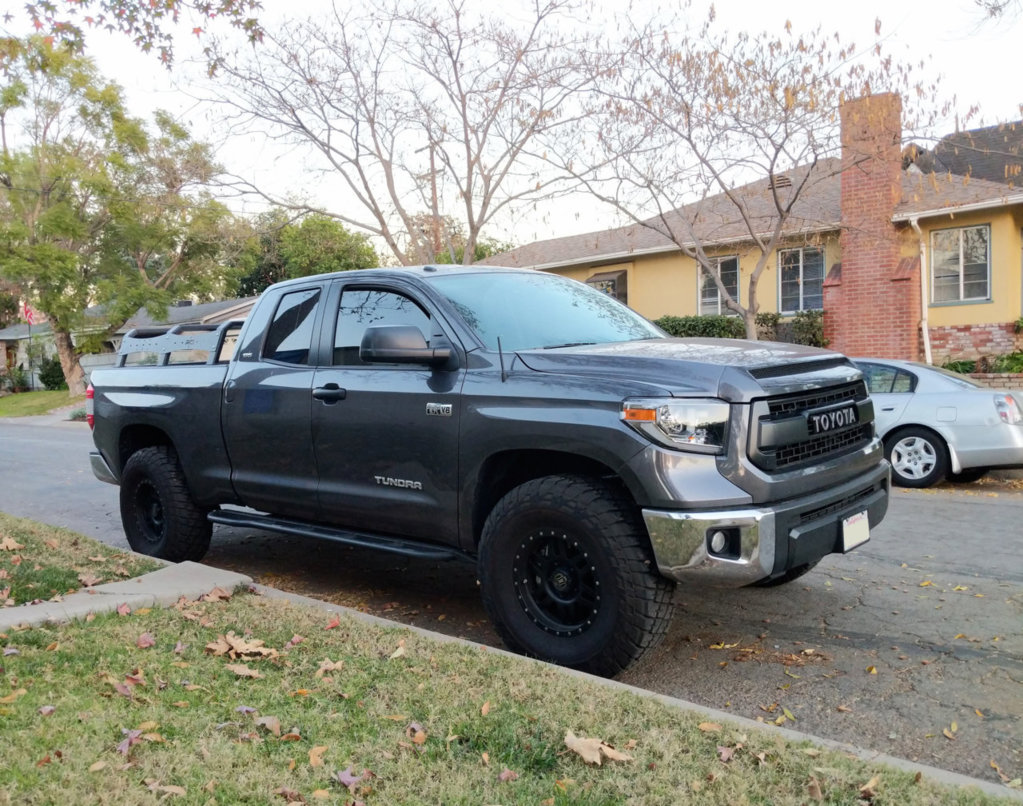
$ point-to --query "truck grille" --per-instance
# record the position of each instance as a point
(780, 438)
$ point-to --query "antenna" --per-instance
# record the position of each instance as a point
(500, 357)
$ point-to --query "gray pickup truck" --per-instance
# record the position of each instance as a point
(586, 462)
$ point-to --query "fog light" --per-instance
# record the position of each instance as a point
(718, 541)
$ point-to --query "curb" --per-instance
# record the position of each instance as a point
(164, 587)
(160, 588)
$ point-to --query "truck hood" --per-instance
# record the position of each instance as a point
(733, 369)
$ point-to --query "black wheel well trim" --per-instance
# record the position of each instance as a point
(502, 472)
(136, 437)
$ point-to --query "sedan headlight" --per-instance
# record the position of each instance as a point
(1008, 409)
(698, 425)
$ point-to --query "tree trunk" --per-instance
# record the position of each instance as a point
(749, 317)
(69, 363)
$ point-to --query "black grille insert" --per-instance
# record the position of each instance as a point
(789, 443)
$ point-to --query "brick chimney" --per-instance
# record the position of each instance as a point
(872, 300)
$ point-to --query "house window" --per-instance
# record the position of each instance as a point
(961, 264)
(711, 301)
(801, 279)
(612, 283)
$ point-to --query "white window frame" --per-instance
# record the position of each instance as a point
(961, 298)
(802, 250)
(719, 304)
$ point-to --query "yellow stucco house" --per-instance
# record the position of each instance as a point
(860, 231)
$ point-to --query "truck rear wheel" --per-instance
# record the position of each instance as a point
(567, 575)
(159, 516)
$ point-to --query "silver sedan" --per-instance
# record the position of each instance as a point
(936, 424)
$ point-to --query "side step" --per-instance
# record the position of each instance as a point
(393, 545)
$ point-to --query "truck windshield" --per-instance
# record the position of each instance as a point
(540, 311)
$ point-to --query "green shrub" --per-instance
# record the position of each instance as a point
(1012, 362)
(51, 375)
(808, 329)
(16, 379)
(767, 326)
(963, 367)
(716, 326)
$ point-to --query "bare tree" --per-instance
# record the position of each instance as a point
(416, 107)
(705, 137)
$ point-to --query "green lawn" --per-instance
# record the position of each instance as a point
(25, 404)
(243, 699)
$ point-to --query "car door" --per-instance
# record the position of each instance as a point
(891, 389)
(386, 435)
(267, 403)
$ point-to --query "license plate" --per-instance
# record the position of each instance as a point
(822, 422)
(855, 531)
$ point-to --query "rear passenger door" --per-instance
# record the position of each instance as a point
(891, 389)
(267, 403)
(386, 435)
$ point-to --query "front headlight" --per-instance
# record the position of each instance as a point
(698, 425)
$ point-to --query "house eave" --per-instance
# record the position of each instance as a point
(988, 204)
(617, 257)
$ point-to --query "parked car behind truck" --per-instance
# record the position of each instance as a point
(585, 462)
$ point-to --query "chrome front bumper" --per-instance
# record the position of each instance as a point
(736, 547)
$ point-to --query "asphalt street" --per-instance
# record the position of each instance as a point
(911, 645)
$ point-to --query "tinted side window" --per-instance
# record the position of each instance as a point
(879, 379)
(368, 307)
(291, 332)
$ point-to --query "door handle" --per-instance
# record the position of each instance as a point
(331, 393)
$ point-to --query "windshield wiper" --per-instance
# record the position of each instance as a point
(569, 344)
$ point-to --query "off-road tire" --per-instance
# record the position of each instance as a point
(159, 516)
(789, 576)
(918, 456)
(567, 575)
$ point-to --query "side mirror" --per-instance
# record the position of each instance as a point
(400, 344)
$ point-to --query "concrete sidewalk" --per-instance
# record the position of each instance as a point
(191, 580)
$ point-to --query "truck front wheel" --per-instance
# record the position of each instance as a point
(567, 575)
(159, 516)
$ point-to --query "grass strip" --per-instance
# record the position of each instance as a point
(250, 700)
(26, 404)
(39, 562)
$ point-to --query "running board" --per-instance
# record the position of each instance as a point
(393, 545)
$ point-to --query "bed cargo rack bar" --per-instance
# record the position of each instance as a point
(162, 342)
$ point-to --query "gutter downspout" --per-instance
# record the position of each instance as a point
(924, 330)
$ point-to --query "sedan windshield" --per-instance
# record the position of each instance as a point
(527, 310)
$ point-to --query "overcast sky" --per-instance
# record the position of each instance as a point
(977, 61)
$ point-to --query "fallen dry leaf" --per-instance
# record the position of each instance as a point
(242, 670)
(216, 595)
(271, 723)
(329, 666)
(813, 789)
(9, 544)
(123, 609)
(845, 709)
(316, 755)
(88, 580)
(485, 709)
(334, 622)
(145, 641)
(593, 751)
(97, 766)
(709, 727)
(869, 789)
(47, 710)
(507, 775)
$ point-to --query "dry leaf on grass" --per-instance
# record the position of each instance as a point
(242, 670)
(328, 665)
(593, 751)
(709, 727)
(9, 544)
(234, 647)
(316, 755)
(88, 580)
(145, 641)
(271, 723)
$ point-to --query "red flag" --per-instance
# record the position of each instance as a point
(29, 314)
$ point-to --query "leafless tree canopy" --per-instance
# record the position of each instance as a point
(417, 107)
(692, 113)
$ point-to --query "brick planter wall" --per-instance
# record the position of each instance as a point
(999, 380)
(968, 342)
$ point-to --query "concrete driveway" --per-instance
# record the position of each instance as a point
(910, 646)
